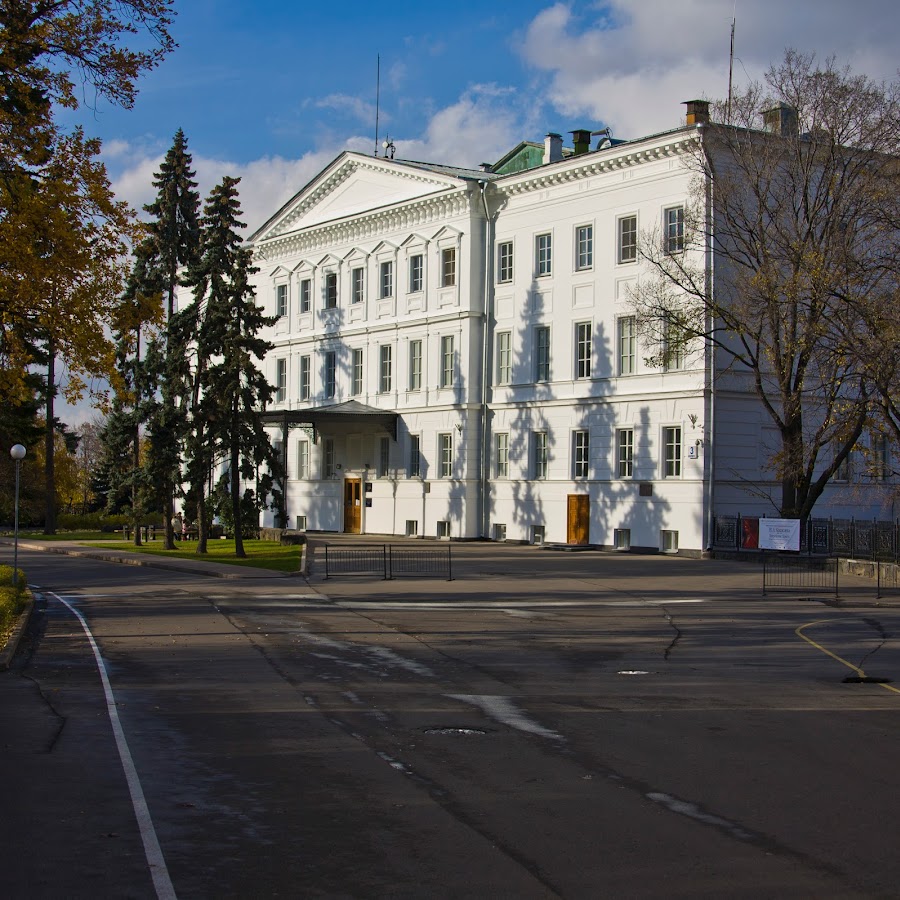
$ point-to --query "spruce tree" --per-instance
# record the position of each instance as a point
(231, 387)
(174, 239)
(138, 314)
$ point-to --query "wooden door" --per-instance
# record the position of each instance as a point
(579, 519)
(352, 505)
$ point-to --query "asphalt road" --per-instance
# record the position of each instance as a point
(546, 725)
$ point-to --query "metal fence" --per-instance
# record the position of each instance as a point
(866, 539)
(800, 574)
(389, 561)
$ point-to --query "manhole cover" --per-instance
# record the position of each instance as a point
(454, 729)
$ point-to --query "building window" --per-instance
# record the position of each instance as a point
(385, 358)
(416, 273)
(329, 374)
(674, 229)
(328, 469)
(445, 455)
(584, 247)
(386, 280)
(280, 380)
(627, 345)
(842, 472)
(305, 295)
(415, 456)
(305, 382)
(542, 353)
(581, 454)
(622, 538)
(504, 357)
(673, 347)
(627, 252)
(415, 365)
(357, 382)
(442, 530)
(448, 267)
(281, 300)
(448, 361)
(625, 452)
(501, 455)
(499, 532)
(583, 350)
(541, 454)
(412, 527)
(672, 450)
(384, 456)
(543, 255)
(303, 459)
(330, 290)
(357, 285)
(668, 541)
(505, 262)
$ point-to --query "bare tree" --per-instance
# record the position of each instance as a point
(787, 244)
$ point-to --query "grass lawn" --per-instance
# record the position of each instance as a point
(12, 602)
(260, 554)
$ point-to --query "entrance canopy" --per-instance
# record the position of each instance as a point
(320, 418)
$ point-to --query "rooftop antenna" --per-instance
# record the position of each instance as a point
(377, 97)
(731, 65)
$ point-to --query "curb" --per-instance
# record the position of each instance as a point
(9, 651)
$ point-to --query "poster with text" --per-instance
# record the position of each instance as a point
(779, 534)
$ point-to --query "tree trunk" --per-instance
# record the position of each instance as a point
(49, 445)
(168, 515)
(202, 527)
(235, 477)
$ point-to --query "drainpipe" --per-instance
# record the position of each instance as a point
(709, 445)
(483, 505)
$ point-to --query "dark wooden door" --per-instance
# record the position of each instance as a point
(579, 519)
(352, 505)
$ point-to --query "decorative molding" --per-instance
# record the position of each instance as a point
(588, 165)
(375, 225)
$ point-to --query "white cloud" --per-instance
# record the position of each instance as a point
(630, 65)
(480, 127)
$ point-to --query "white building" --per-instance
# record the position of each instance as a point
(456, 354)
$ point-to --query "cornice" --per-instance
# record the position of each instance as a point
(588, 165)
(411, 214)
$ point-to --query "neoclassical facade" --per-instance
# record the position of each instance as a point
(456, 354)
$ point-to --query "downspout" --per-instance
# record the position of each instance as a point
(709, 447)
(484, 461)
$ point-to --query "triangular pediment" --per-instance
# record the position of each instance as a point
(353, 185)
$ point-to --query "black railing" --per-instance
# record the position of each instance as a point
(866, 539)
(388, 561)
(800, 574)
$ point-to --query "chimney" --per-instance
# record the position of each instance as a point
(552, 148)
(581, 138)
(781, 119)
(697, 112)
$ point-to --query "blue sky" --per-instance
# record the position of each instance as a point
(272, 90)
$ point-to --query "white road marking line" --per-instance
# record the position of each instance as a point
(503, 710)
(152, 851)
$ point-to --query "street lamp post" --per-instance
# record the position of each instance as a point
(17, 452)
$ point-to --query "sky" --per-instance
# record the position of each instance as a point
(271, 91)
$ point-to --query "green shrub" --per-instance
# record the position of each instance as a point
(12, 601)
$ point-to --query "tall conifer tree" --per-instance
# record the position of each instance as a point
(175, 243)
(230, 388)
